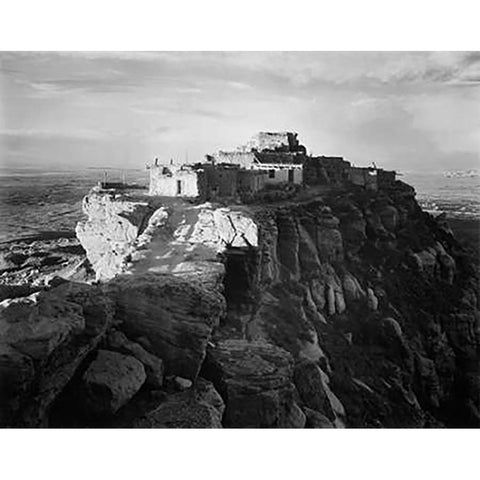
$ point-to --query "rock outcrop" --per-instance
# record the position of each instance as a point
(129, 233)
(44, 339)
(180, 411)
(111, 380)
(176, 317)
(313, 386)
(114, 223)
(32, 263)
(255, 381)
(153, 365)
(348, 307)
(199, 407)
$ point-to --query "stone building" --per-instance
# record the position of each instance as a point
(363, 177)
(268, 159)
(280, 167)
(205, 181)
(386, 178)
(286, 142)
(371, 178)
(174, 181)
(250, 182)
(279, 155)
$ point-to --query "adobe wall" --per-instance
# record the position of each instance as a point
(244, 159)
(386, 177)
(326, 170)
(250, 182)
(172, 181)
(219, 181)
(279, 141)
(279, 173)
(364, 177)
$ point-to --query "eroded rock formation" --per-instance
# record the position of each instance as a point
(350, 308)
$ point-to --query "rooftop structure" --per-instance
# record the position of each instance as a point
(275, 141)
(278, 153)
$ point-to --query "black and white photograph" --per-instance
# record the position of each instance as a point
(239, 239)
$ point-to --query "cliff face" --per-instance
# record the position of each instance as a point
(109, 234)
(373, 292)
(350, 308)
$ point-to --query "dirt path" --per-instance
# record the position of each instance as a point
(171, 248)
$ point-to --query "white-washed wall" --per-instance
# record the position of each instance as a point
(180, 183)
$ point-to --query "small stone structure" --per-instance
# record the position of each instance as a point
(281, 167)
(386, 178)
(174, 181)
(286, 142)
(230, 181)
(279, 154)
(364, 177)
(371, 178)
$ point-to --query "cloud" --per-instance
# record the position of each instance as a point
(80, 134)
(404, 107)
(239, 85)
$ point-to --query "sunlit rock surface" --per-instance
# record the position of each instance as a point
(335, 308)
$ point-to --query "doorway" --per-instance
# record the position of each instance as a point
(179, 187)
(291, 175)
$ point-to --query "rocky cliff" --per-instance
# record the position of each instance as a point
(347, 308)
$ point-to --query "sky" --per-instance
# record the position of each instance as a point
(409, 111)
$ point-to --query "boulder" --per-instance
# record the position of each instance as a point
(177, 317)
(313, 386)
(295, 417)
(340, 305)
(255, 381)
(315, 419)
(220, 227)
(182, 383)
(44, 338)
(372, 300)
(181, 410)
(16, 376)
(204, 392)
(111, 380)
(331, 300)
(392, 328)
(97, 308)
(351, 288)
(36, 325)
(118, 342)
(317, 289)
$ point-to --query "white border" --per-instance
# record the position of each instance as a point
(245, 25)
(235, 25)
